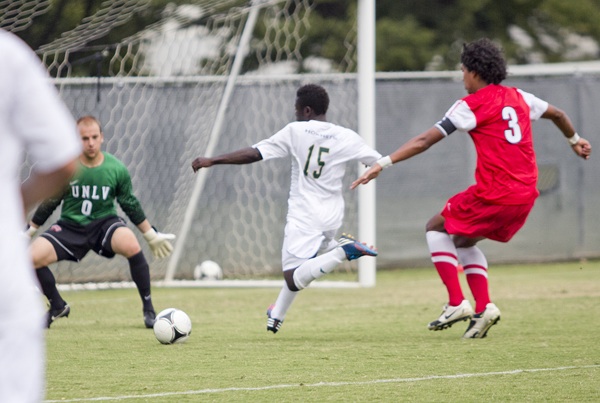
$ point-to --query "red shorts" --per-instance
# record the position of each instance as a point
(469, 216)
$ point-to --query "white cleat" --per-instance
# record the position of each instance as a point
(452, 314)
(481, 322)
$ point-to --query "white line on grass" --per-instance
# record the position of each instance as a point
(319, 384)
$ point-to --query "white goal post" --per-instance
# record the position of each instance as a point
(366, 128)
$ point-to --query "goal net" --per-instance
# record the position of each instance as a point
(166, 90)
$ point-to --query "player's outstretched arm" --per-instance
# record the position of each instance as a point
(246, 155)
(412, 147)
(159, 242)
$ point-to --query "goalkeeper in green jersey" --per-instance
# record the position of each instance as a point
(89, 221)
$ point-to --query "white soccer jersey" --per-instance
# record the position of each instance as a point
(35, 121)
(319, 152)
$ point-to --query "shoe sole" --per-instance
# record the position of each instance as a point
(446, 325)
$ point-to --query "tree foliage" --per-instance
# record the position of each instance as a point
(411, 34)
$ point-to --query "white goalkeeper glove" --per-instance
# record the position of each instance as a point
(159, 243)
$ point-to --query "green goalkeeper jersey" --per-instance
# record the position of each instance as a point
(91, 195)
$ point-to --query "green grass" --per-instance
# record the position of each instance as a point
(360, 345)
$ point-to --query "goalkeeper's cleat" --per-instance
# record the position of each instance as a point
(273, 325)
(482, 322)
(452, 314)
(54, 314)
(149, 318)
(355, 249)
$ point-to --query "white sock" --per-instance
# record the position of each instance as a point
(440, 242)
(317, 267)
(473, 260)
(283, 303)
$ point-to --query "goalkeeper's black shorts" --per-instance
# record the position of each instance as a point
(73, 241)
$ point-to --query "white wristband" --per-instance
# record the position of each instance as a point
(574, 139)
(385, 162)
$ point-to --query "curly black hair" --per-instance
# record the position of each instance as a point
(314, 96)
(486, 59)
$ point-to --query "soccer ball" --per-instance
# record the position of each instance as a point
(208, 270)
(172, 326)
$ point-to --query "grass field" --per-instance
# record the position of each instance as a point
(358, 345)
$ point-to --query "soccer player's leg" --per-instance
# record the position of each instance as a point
(475, 269)
(299, 248)
(44, 252)
(335, 252)
(123, 241)
(22, 343)
(501, 223)
(445, 259)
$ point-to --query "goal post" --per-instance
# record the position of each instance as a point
(366, 128)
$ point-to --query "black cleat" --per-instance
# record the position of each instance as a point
(54, 314)
(273, 325)
(149, 318)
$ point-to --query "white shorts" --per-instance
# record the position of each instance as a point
(22, 333)
(300, 245)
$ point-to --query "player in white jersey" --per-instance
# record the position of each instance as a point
(319, 153)
(34, 121)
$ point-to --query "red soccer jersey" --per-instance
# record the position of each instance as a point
(498, 119)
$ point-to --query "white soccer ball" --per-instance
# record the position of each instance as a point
(172, 326)
(208, 270)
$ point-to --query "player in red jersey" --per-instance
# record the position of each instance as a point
(498, 119)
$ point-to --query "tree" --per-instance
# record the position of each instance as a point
(411, 34)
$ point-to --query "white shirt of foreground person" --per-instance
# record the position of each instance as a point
(33, 120)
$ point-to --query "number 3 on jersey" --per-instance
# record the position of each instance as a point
(513, 133)
(321, 164)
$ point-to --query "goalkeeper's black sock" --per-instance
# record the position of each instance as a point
(48, 284)
(140, 273)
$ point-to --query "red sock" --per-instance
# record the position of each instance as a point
(444, 257)
(478, 283)
(475, 268)
(449, 274)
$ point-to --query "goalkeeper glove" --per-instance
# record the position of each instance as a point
(159, 242)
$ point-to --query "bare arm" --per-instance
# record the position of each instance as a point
(561, 120)
(412, 147)
(246, 155)
(144, 226)
(41, 186)
(417, 145)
